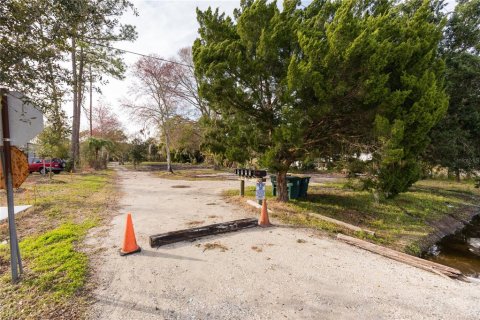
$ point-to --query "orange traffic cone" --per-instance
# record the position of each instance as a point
(263, 221)
(129, 242)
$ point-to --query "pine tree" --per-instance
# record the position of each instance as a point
(455, 140)
(310, 80)
(373, 68)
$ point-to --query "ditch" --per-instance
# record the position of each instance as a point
(460, 250)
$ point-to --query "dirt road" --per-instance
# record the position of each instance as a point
(272, 273)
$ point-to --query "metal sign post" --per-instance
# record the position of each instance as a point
(260, 191)
(15, 260)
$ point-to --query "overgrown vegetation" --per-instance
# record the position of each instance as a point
(56, 266)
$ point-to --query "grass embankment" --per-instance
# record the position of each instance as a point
(183, 171)
(195, 174)
(401, 223)
(55, 264)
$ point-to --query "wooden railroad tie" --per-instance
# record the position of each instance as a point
(194, 233)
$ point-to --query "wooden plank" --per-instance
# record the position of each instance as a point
(340, 223)
(399, 256)
(403, 257)
(256, 205)
(194, 233)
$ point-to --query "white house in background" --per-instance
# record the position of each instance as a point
(30, 149)
(365, 156)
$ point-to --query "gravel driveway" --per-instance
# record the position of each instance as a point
(272, 273)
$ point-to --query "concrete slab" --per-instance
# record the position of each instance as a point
(17, 209)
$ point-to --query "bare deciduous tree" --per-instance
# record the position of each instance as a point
(156, 96)
(188, 84)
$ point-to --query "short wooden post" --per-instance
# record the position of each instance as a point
(242, 187)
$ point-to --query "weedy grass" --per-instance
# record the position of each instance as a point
(193, 174)
(399, 222)
(55, 269)
(182, 171)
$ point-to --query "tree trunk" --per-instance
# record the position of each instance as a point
(282, 189)
(91, 103)
(73, 148)
(80, 89)
(167, 150)
(107, 159)
(457, 174)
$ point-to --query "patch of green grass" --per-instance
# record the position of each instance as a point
(54, 265)
(400, 222)
(249, 192)
(55, 270)
(413, 249)
(192, 174)
(52, 257)
(153, 163)
(406, 218)
(301, 220)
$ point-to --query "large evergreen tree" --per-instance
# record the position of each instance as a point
(242, 65)
(292, 82)
(374, 63)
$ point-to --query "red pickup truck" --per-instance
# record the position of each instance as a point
(44, 165)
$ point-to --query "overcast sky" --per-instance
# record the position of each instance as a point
(163, 28)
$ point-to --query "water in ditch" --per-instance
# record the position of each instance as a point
(460, 250)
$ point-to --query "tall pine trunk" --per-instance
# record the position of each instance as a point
(91, 103)
(75, 131)
(282, 188)
(77, 90)
(80, 92)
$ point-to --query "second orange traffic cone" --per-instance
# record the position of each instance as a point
(129, 241)
(263, 221)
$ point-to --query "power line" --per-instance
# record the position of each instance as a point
(139, 54)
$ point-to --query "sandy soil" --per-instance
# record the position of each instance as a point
(272, 273)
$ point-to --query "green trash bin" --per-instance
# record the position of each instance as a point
(296, 186)
(303, 187)
(294, 190)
